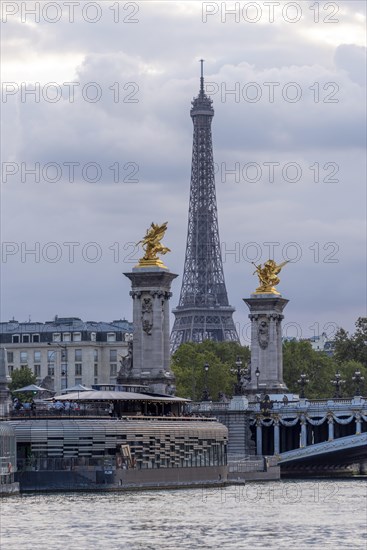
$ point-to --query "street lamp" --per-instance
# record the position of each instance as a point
(337, 382)
(303, 381)
(206, 396)
(257, 374)
(358, 380)
(240, 374)
(64, 372)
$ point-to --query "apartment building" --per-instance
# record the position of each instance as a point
(67, 350)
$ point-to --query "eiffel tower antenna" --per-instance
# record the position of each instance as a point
(203, 312)
(202, 76)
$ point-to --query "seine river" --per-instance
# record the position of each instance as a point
(272, 516)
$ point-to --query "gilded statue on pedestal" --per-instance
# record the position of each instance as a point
(268, 276)
(152, 246)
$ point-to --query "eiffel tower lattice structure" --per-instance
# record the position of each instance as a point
(203, 312)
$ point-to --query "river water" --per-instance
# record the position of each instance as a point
(283, 515)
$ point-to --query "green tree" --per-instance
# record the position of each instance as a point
(298, 358)
(188, 366)
(354, 347)
(20, 378)
(347, 370)
(320, 369)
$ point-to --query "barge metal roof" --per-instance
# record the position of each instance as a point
(100, 395)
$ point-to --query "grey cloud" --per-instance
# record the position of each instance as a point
(352, 59)
(157, 134)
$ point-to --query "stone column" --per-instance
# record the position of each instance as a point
(303, 432)
(166, 331)
(157, 352)
(331, 428)
(276, 437)
(358, 424)
(259, 437)
(266, 342)
(150, 290)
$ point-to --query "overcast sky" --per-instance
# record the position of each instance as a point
(290, 108)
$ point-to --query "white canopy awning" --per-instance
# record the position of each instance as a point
(96, 395)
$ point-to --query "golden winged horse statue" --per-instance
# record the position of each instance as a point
(268, 276)
(152, 246)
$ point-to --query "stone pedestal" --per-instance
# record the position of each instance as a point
(238, 403)
(150, 291)
(266, 343)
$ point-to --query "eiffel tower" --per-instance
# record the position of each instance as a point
(203, 312)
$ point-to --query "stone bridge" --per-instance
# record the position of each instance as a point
(352, 447)
(313, 433)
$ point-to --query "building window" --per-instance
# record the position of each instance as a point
(77, 336)
(78, 369)
(56, 337)
(78, 381)
(95, 355)
(51, 356)
(51, 370)
(23, 356)
(66, 337)
(113, 369)
(95, 369)
(37, 370)
(35, 338)
(78, 355)
(25, 339)
(113, 355)
(10, 357)
(93, 336)
(37, 356)
(111, 337)
(10, 369)
(15, 338)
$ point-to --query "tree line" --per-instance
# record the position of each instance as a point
(349, 356)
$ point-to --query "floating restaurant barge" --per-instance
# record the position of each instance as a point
(131, 452)
(117, 440)
(8, 461)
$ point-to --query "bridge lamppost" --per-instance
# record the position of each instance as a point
(240, 372)
(64, 355)
(358, 381)
(302, 382)
(206, 396)
(337, 382)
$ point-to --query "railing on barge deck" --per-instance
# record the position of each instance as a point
(90, 414)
